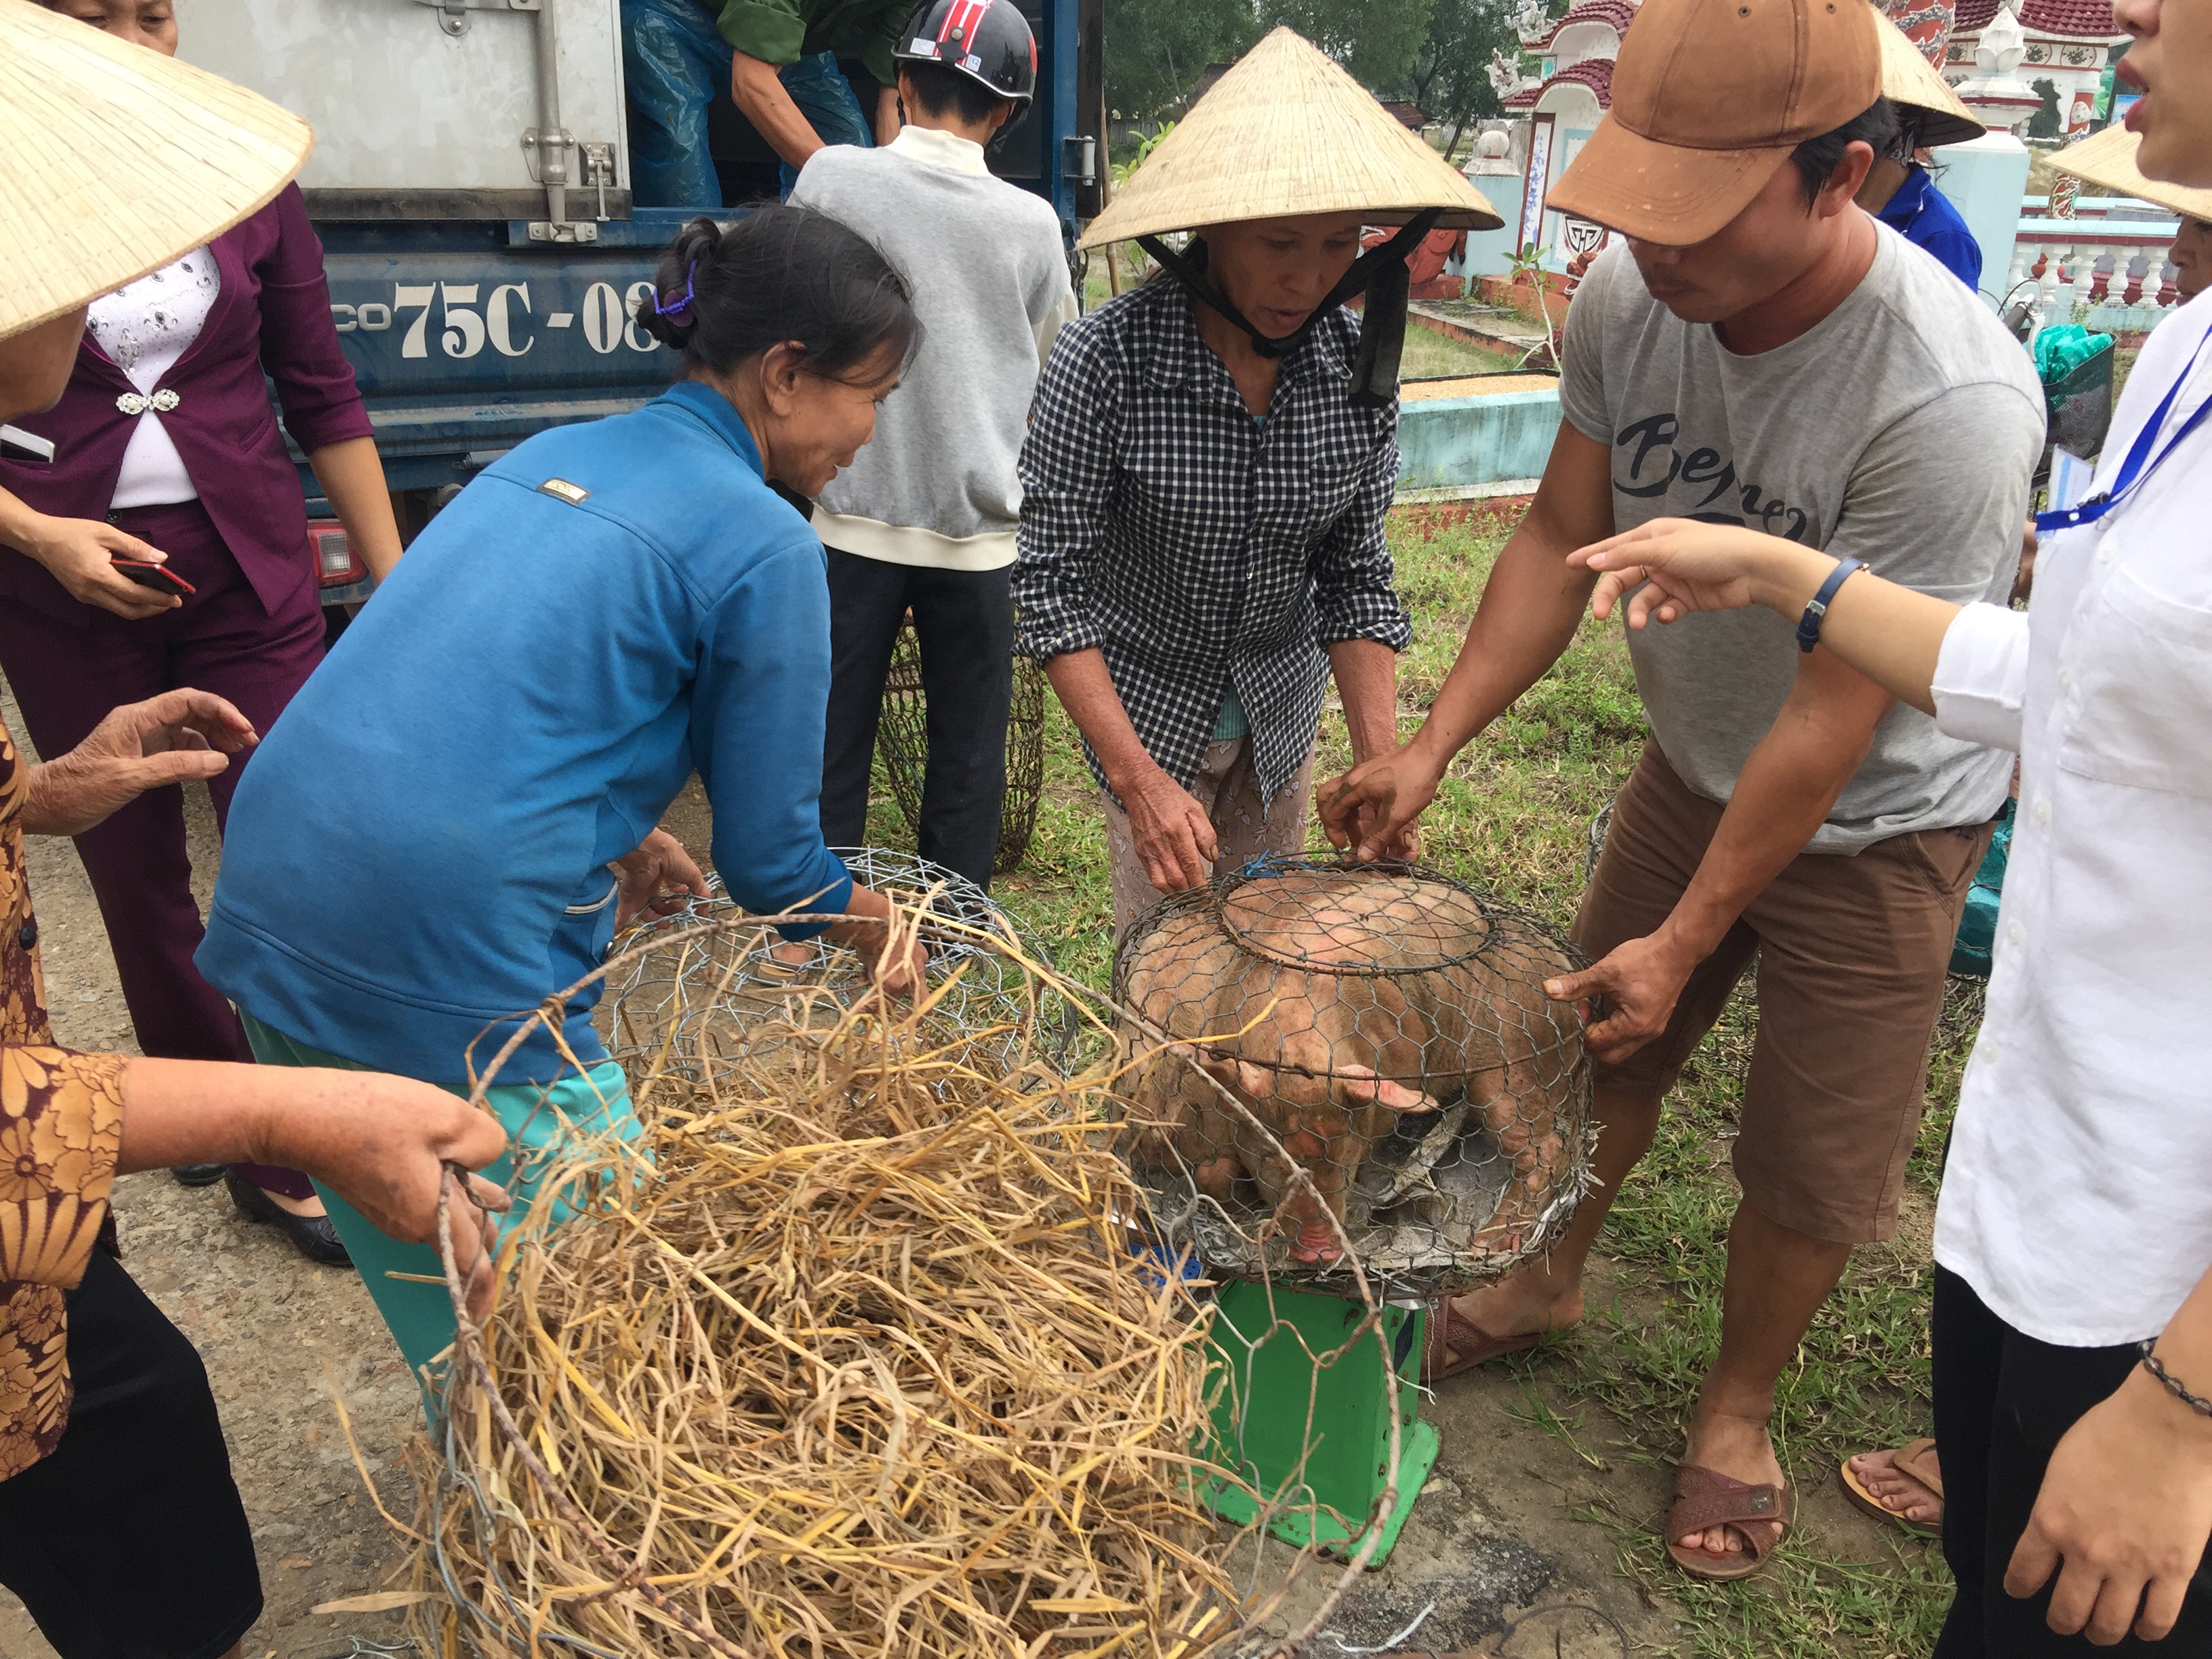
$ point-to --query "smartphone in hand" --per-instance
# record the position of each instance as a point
(158, 577)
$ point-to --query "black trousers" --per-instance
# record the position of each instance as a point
(2002, 1401)
(129, 1542)
(965, 622)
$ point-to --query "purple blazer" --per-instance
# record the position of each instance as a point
(271, 319)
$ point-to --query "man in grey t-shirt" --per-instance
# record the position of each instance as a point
(1760, 352)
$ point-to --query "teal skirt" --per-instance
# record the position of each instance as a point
(543, 1124)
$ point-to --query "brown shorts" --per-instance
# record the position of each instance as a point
(1852, 954)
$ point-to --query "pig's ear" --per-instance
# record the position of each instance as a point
(1357, 1083)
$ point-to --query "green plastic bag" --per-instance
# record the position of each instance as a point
(2062, 348)
(1978, 927)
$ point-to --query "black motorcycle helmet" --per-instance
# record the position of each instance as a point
(987, 41)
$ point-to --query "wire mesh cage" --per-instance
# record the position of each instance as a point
(848, 1355)
(1367, 1058)
(717, 985)
(902, 740)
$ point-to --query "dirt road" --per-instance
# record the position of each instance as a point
(1492, 1535)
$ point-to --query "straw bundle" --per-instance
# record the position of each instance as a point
(862, 1364)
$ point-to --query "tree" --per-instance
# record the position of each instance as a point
(1376, 40)
(1156, 50)
(1449, 78)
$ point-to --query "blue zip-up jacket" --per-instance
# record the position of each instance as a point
(419, 849)
(1924, 216)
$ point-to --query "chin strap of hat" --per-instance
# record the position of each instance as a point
(1380, 272)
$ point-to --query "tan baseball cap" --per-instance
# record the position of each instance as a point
(1709, 98)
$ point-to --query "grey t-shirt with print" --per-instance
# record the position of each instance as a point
(1901, 430)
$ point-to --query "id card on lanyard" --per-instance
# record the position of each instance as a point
(2144, 457)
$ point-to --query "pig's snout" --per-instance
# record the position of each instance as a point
(1315, 1242)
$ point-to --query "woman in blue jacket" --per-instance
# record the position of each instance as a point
(461, 806)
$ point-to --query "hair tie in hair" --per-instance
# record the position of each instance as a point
(674, 309)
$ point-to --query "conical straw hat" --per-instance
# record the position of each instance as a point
(1286, 131)
(2108, 158)
(1907, 77)
(115, 160)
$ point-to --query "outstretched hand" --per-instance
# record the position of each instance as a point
(1369, 811)
(1669, 567)
(140, 746)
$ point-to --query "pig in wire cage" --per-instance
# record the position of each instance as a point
(902, 740)
(725, 980)
(1387, 1027)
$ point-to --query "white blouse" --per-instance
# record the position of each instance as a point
(2077, 1200)
(144, 328)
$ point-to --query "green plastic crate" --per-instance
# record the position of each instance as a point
(1285, 1359)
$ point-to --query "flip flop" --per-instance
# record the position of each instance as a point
(1911, 1460)
(1704, 1498)
(1455, 1343)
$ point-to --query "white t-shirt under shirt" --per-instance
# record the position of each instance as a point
(1900, 429)
(2077, 1196)
(937, 486)
(144, 327)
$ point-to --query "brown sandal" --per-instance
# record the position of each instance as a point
(1911, 1460)
(1704, 1498)
(1455, 1343)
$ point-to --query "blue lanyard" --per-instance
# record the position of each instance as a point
(2140, 463)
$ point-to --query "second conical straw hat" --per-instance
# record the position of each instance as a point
(115, 160)
(2108, 158)
(1287, 131)
(1907, 77)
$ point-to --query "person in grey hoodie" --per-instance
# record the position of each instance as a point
(924, 518)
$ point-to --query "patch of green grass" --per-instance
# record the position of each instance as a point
(1513, 817)
(1430, 353)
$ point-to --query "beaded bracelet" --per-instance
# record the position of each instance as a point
(2173, 1384)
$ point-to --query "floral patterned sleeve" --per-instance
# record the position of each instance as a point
(61, 1129)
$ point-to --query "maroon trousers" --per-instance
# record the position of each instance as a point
(68, 675)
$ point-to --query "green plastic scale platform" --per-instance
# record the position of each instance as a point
(1291, 1359)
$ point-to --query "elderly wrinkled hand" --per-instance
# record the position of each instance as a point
(1175, 837)
(657, 878)
(140, 746)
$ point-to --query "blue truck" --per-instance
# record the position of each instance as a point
(470, 184)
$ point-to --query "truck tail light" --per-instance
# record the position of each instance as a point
(336, 563)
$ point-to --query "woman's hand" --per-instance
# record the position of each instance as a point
(655, 878)
(896, 971)
(80, 554)
(1370, 810)
(2124, 1510)
(1175, 838)
(1669, 567)
(382, 1144)
(140, 746)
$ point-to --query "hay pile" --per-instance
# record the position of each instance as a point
(864, 1365)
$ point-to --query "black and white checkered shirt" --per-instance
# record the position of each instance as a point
(1192, 545)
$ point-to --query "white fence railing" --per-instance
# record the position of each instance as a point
(2112, 275)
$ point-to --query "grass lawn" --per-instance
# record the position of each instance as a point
(1513, 817)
